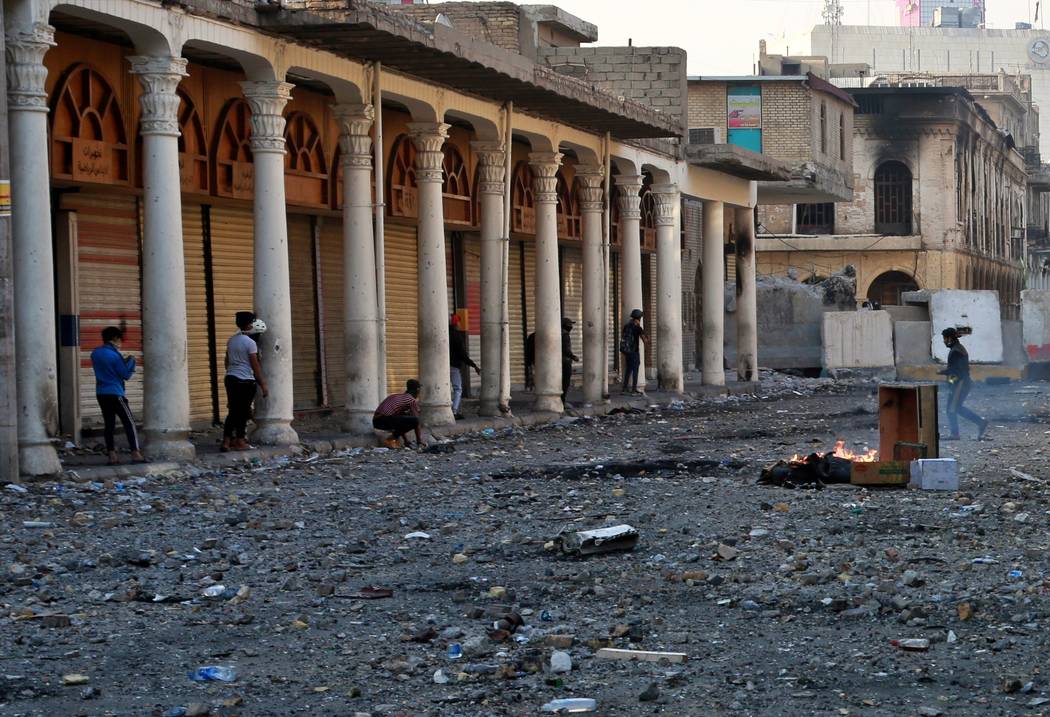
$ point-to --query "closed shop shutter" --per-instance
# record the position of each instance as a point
(402, 305)
(521, 305)
(649, 306)
(232, 272)
(572, 295)
(110, 290)
(305, 367)
(201, 408)
(472, 273)
(613, 309)
(332, 292)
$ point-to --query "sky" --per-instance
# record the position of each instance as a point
(721, 36)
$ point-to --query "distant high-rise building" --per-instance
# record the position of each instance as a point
(919, 13)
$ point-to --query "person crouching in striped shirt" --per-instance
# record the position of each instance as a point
(399, 414)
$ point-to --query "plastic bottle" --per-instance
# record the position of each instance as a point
(914, 644)
(571, 705)
(455, 651)
(214, 673)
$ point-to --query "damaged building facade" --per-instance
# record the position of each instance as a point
(940, 198)
(200, 158)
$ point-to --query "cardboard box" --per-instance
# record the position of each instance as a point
(890, 473)
(935, 474)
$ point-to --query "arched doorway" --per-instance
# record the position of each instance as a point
(888, 287)
(893, 199)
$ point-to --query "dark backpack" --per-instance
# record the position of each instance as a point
(626, 345)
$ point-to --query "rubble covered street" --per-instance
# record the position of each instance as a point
(402, 583)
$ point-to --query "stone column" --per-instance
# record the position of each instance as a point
(273, 415)
(669, 289)
(360, 312)
(630, 188)
(436, 402)
(746, 297)
(166, 380)
(713, 295)
(36, 371)
(491, 171)
(547, 294)
(592, 206)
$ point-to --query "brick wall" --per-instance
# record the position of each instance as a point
(787, 122)
(494, 22)
(654, 76)
(707, 106)
(692, 228)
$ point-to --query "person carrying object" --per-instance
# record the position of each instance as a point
(959, 384)
(244, 377)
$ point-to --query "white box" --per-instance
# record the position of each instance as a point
(935, 474)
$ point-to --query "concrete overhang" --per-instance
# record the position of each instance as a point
(837, 242)
(580, 30)
(447, 57)
(809, 183)
(737, 162)
(1039, 178)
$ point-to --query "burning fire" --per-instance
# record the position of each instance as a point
(869, 456)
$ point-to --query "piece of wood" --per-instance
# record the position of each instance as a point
(611, 653)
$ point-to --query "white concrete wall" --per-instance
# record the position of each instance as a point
(1035, 319)
(857, 339)
(977, 309)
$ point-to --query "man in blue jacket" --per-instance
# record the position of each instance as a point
(112, 369)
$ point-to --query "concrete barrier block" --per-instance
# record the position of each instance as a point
(911, 343)
(1035, 320)
(977, 309)
(857, 339)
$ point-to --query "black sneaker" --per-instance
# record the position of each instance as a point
(458, 416)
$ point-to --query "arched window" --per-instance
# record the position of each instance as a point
(523, 202)
(234, 172)
(305, 167)
(193, 147)
(888, 287)
(403, 193)
(568, 210)
(893, 199)
(88, 138)
(455, 188)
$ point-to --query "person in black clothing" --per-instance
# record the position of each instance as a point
(631, 338)
(459, 358)
(567, 356)
(959, 384)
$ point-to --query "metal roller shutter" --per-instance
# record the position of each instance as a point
(201, 408)
(572, 295)
(472, 272)
(521, 305)
(649, 307)
(332, 291)
(402, 305)
(110, 289)
(612, 339)
(232, 273)
(305, 368)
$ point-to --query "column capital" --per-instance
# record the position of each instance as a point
(545, 175)
(491, 166)
(26, 73)
(630, 195)
(159, 76)
(267, 100)
(355, 122)
(592, 196)
(429, 137)
(665, 198)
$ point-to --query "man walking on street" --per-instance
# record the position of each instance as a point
(112, 369)
(631, 339)
(959, 384)
(399, 414)
(459, 358)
